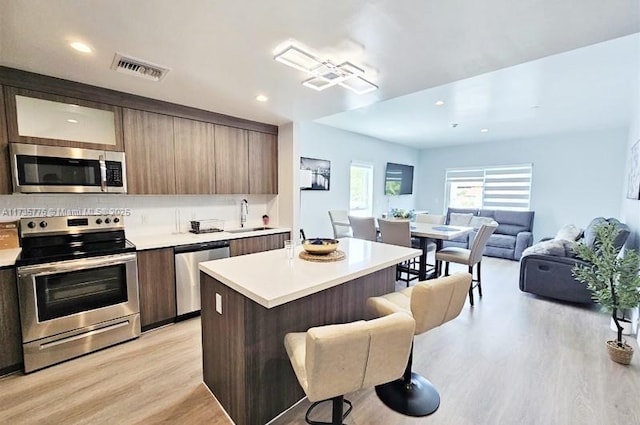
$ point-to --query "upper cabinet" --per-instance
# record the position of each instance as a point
(194, 157)
(5, 175)
(47, 119)
(149, 149)
(263, 163)
(232, 160)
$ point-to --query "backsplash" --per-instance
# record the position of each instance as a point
(145, 214)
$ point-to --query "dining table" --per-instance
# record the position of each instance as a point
(438, 233)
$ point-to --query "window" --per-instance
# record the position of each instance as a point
(361, 190)
(504, 187)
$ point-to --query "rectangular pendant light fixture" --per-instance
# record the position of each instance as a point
(324, 73)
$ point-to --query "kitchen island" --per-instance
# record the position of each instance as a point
(250, 302)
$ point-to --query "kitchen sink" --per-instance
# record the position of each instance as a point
(248, 229)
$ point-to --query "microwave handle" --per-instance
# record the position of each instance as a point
(103, 173)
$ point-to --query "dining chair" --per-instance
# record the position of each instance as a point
(430, 218)
(431, 303)
(470, 257)
(331, 361)
(398, 232)
(431, 246)
(339, 220)
(363, 228)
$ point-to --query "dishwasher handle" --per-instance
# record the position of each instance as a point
(203, 246)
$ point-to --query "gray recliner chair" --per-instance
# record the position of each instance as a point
(549, 275)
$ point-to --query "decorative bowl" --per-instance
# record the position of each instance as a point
(320, 246)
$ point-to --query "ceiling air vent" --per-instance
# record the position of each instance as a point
(137, 67)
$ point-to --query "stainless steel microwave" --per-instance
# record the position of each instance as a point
(53, 169)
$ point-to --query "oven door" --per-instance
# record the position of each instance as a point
(67, 295)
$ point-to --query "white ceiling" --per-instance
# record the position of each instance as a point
(221, 52)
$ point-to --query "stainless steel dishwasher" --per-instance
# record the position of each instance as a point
(187, 258)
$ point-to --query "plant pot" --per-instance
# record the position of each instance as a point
(620, 354)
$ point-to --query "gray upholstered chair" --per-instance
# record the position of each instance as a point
(339, 223)
(430, 218)
(431, 303)
(470, 257)
(398, 232)
(331, 361)
(363, 228)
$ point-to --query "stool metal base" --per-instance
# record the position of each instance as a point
(419, 398)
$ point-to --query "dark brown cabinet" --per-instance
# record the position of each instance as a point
(257, 244)
(194, 157)
(5, 173)
(263, 163)
(10, 333)
(148, 143)
(157, 287)
(232, 160)
(47, 119)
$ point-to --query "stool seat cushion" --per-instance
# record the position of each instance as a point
(431, 302)
(454, 255)
(335, 360)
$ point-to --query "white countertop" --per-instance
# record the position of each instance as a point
(8, 256)
(164, 240)
(271, 279)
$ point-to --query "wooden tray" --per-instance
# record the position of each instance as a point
(336, 255)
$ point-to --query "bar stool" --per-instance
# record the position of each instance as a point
(331, 361)
(431, 303)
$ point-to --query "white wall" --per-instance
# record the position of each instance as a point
(576, 177)
(146, 214)
(631, 208)
(341, 147)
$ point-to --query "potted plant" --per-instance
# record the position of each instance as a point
(402, 214)
(613, 280)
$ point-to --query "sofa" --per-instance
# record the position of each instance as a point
(511, 238)
(545, 268)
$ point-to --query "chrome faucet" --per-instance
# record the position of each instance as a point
(244, 210)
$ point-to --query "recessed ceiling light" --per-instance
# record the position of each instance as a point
(484, 130)
(439, 102)
(81, 47)
(261, 98)
(72, 121)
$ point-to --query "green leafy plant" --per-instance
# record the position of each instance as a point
(400, 213)
(612, 278)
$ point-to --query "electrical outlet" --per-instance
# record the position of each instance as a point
(219, 303)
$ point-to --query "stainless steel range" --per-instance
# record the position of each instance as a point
(77, 286)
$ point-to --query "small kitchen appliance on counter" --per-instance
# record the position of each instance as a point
(206, 226)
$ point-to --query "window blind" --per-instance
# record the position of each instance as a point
(505, 187)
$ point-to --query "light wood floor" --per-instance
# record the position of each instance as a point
(512, 359)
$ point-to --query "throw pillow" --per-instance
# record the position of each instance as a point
(569, 233)
(457, 219)
(476, 222)
(555, 247)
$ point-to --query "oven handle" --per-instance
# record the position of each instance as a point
(75, 265)
(103, 173)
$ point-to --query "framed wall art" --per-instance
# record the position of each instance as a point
(315, 174)
(633, 182)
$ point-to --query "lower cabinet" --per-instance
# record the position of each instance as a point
(257, 244)
(10, 333)
(157, 287)
(157, 278)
